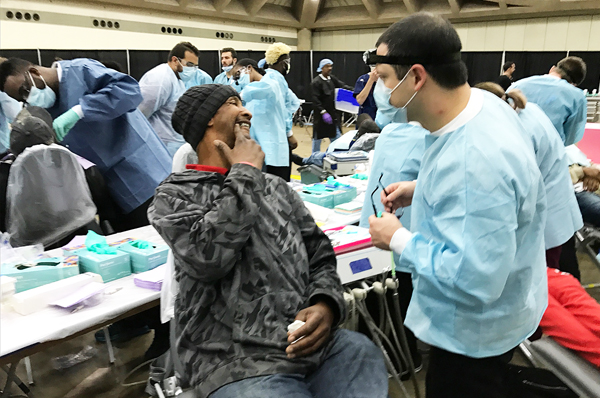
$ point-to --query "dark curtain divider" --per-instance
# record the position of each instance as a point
(299, 76)
(141, 61)
(482, 66)
(592, 60)
(531, 63)
(119, 56)
(209, 62)
(29, 55)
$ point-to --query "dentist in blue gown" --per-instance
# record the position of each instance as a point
(558, 96)
(95, 115)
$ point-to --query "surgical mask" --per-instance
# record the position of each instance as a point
(398, 85)
(44, 97)
(386, 113)
(287, 66)
(240, 74)
(188, 73)
(227, 68)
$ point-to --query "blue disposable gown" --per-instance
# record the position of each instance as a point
(199, 79)
(477, 250)
(264, 100)
(386, 113)
(9, 108)
(239, 85)
(564, 217)
(113, 134)
(161, 90)
(563, 103)
(398, 152)
(292, 103)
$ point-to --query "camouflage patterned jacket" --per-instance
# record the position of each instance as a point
(248, 258)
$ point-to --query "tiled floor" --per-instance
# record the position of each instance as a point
(95, 378)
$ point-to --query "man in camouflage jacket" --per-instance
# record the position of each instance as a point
(249, 260)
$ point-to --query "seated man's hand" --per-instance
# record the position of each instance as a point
(244, 150)
(592, 171)
(315, 332)
(382, 229)
(590, 184)
(293, 142)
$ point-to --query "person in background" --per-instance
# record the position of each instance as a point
(249, 260)
(95, 115)
(199, 78)
(476, 245)
(9, 108)
(264, 99)
(365, 124)
(162, 86)
(277, 59)
(363, 92)
(564, 217)
(327, 121)
(558, 96)
(506, 78)
(228, 61)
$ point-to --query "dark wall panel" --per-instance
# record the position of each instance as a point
(533, 62)
(29, 55)
(143, 60)
(209, 62)
(482, 66)
(119, 56)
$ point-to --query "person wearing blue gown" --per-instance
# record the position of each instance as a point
(228, 61)
(478, 211)
(161, 88)
(9, 109)
(564, 217)
(397, 157)
(558, 96)
(197, 77)
(263, 97)
(95, 115)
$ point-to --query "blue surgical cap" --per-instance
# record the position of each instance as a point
(324, 62)
(261, 63)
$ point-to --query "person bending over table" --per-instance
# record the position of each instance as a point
(250, 260)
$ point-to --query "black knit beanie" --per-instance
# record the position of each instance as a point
(196, 107)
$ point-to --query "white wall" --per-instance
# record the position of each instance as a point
(581, 33)
(31, 35)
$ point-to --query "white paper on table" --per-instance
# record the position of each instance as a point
(80, 295)
(76, 241)
(155, 275)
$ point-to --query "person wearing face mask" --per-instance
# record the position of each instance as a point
(476, 245)
(95, 115)
(327, 119)
(161, 88)
(278, 62)
(264, 99)
(228, 61)
(386, 113)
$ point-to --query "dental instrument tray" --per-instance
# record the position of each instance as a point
(348, 238)
(349, 156)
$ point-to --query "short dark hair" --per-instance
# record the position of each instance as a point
(230, 50)
(180, 49)
(12, 67)
(251, 62)
(572, 69)
(424, 35)
(507, 65)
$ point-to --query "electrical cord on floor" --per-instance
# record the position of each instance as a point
(393, 284)
(137, 383)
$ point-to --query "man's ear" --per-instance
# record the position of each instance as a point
(34, 71)
(211, 122)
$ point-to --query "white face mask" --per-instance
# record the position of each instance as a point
(388, 92)
(227, 68)
(44, 97)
